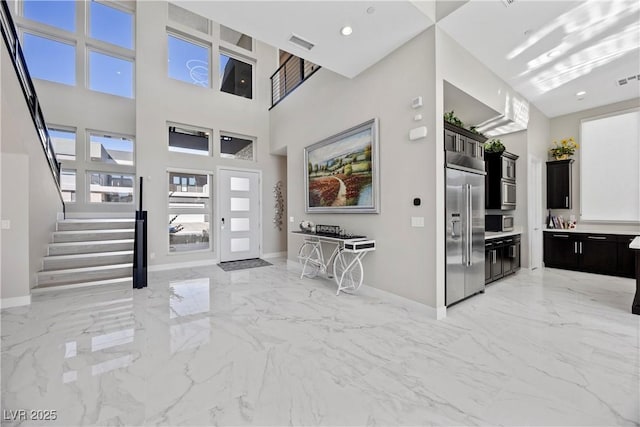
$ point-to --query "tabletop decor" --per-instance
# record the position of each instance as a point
(341, 172)
(563, 150)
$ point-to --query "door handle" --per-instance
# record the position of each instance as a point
(455, 222)
(566, 201)
(597, 237)
(580, 248)
(222, 221)
(575, 247)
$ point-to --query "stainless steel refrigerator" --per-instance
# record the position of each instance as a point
(465, 211)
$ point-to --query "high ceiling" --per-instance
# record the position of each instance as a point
(549, 51)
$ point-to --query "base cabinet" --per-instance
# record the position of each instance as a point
(592, 253)
(501, 257)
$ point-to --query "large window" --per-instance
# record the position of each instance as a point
(68, 185)
(64, 143)
(236, 77)
(111, 25)
(609, 168)
(189, 141)
(110, 74)
(236, 147)
(111, 149)
(189, 211)
(61, 14)
(188, 61)
(107, 187)
(49, 59)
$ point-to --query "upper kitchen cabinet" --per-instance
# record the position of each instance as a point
(559, 184)
(500, 181)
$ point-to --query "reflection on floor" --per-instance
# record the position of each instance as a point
(262, 347)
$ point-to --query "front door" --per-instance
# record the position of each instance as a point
(239, 218)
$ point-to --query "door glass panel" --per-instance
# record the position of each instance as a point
(240, 245)
(239, 224)
(239, 184)
(239, 204)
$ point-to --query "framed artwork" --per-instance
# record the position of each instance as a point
(342, 172)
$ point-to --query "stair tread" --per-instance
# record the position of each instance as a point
(86, 269)
(91, 242)
(105, 231)
(88, 255)
(96, 220)
(63, 286)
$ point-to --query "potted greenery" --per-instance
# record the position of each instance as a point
(494, 146)
(565, 149)
(451, 118)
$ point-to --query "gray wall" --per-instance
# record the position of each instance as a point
(405, 260)
(569, 125)
(30, 199)
(160, 99)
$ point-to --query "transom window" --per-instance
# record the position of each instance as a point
(42, 52)
(60, 14)
(111, 25)
(111, 149)
(188, 61)
(236, 76)
(189, 141)
(64, 143)
(110, 74)
(236, 147)
(236, 38)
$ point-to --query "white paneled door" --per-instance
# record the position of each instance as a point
(239, 218)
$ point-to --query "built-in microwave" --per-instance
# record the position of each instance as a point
(508, 195)
(498, 222)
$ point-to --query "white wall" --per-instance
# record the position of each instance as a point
(405, 260)
(30, 199)
(569, 125)
(160, 99)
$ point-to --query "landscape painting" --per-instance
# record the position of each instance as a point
(341, 172)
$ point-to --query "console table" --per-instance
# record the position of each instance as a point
(346, 258)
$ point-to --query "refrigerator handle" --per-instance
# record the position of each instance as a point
(469, 226)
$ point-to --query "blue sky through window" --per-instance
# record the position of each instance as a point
(109, 74)
(188, 62)
(61, 14)
(41, 53)
(112, 143)
(111, 25)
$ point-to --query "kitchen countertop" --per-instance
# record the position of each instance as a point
(499, 234)
(593, 231)
(635, 244)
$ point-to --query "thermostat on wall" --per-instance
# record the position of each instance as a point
(416, 102)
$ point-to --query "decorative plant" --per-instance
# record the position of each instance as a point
(494, 146)
(451, 118)
(567, 147)
(474, 130)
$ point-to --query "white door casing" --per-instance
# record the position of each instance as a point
(535, 213)
(239, 214)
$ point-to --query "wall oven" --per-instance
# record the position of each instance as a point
(499, 222)
(508, 194)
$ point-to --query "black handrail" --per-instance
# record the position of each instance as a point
(289, 75)
(10, 36)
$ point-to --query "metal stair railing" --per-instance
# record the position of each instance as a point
(291, 74)
(12, 42)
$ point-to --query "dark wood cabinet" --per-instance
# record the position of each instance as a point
(559, 184)
(502, 257)
(500, 181)
(589, 252)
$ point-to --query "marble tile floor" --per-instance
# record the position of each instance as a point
(203, 346)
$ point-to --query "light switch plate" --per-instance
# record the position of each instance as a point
(291, 219)
(418, 133)
(6, 224)
(417, 221)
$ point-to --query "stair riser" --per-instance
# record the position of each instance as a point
(85, 237)
(48, 279)
(73, 226)
(55, 264)
(90, 248)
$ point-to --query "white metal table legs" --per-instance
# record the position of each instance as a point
(348, 271)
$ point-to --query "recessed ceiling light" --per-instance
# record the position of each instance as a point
(553, 53)
(581, 93)
(346, 31)
(370, 10)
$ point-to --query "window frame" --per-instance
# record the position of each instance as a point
(75, 191)
(120, 7)
(194, 129)
(20, 11)
(226, 45)
(208, 209)
(88, 173)
(125, 168)
(172, 32)
(242, 58)
(63, 128)
(254, 144)
(92, 48)
(55, 38)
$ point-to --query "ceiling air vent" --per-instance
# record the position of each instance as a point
(624, 81)
(508, 3)
(299, 41)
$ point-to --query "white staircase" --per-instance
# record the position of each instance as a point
(88, 252)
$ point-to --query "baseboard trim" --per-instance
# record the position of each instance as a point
(431, 312)
(14, 302)
(275, 255)
(188, 264)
